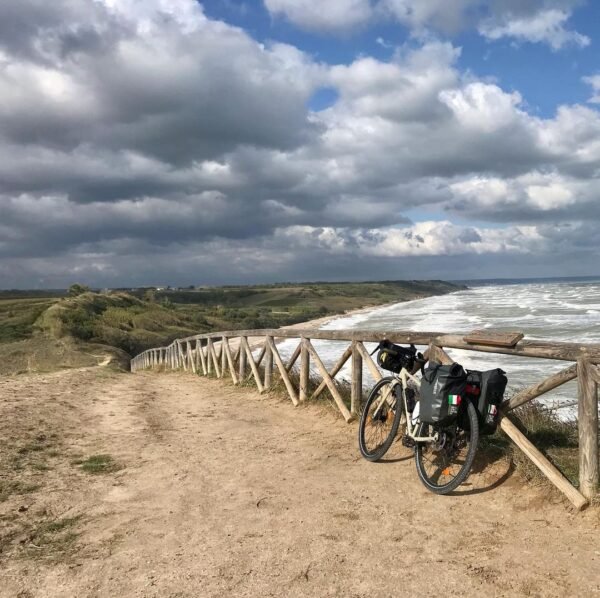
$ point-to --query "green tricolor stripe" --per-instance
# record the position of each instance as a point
(453, 399)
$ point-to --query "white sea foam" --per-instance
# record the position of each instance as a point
(543, 311)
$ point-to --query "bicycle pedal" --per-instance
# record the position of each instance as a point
(408, 442)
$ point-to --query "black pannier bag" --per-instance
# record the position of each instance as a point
(394, 357)
(486, 389)
(442, 392)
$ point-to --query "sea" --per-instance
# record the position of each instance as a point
(548, 309)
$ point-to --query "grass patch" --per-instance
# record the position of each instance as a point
(556, 438)
(38, 466)
(99, 464)
(54, 536)
(7, 489)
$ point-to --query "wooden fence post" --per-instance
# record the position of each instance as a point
(335, 393)
(268, 364)
(357, 380)
(200, 350)
(253, 366)
(215, 360)
(242, 362)
(281, 366)
(587, 423)
(549, 470)
(209, 361)
(304, 369)
(290, 364)
(189, 354)
(223, 357)
(229, 360)
(341, 362)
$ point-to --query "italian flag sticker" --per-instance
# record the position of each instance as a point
(453, 399)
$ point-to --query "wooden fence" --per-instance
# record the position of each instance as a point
(230, 354)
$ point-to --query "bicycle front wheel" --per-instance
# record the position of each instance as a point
(380, 419)
(444, 465)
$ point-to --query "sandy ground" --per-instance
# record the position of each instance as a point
(224, 492)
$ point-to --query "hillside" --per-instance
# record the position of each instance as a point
(43, 333)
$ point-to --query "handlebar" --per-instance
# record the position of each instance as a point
(387, 345)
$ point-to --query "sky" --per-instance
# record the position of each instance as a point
(176, 142)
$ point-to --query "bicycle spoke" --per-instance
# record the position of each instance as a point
(379, 418)
(445, 464)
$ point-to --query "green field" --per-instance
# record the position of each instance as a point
(33, 327)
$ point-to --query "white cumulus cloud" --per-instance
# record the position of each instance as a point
(545, 26)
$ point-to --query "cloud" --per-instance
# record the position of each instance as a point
(439, 15)
(162, 90)
(533, 21)
(594, 82)
(131, 130)
(427, 238)
(333, 15)
(546, 26)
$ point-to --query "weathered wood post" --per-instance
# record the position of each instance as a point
(268, 364)
(253, 365)
(304, 369)
(547, 468)
(588, 429)
(242, 362)
(357, 380)
(209, 360)
(223, 357)
(190, 356)
(229, 360)
(182, 357)
(200, 356)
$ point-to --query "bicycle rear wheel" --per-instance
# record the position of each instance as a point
(444, 465)
(380, 419)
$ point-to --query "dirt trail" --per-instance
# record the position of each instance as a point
(228, 493)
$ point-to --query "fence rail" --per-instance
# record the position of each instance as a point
(208, 354)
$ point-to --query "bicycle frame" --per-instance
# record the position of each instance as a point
(411, 429)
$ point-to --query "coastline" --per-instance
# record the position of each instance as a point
(318, 322)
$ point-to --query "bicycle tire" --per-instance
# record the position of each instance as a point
(376, 453)
(430, 481)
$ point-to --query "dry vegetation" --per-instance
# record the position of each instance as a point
(39, 333)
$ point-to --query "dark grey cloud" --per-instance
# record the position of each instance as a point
(132, 130)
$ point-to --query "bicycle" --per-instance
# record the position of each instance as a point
(444, 452)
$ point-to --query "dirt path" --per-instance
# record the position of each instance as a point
(224, 492)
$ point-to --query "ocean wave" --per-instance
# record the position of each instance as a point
(553, 311)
